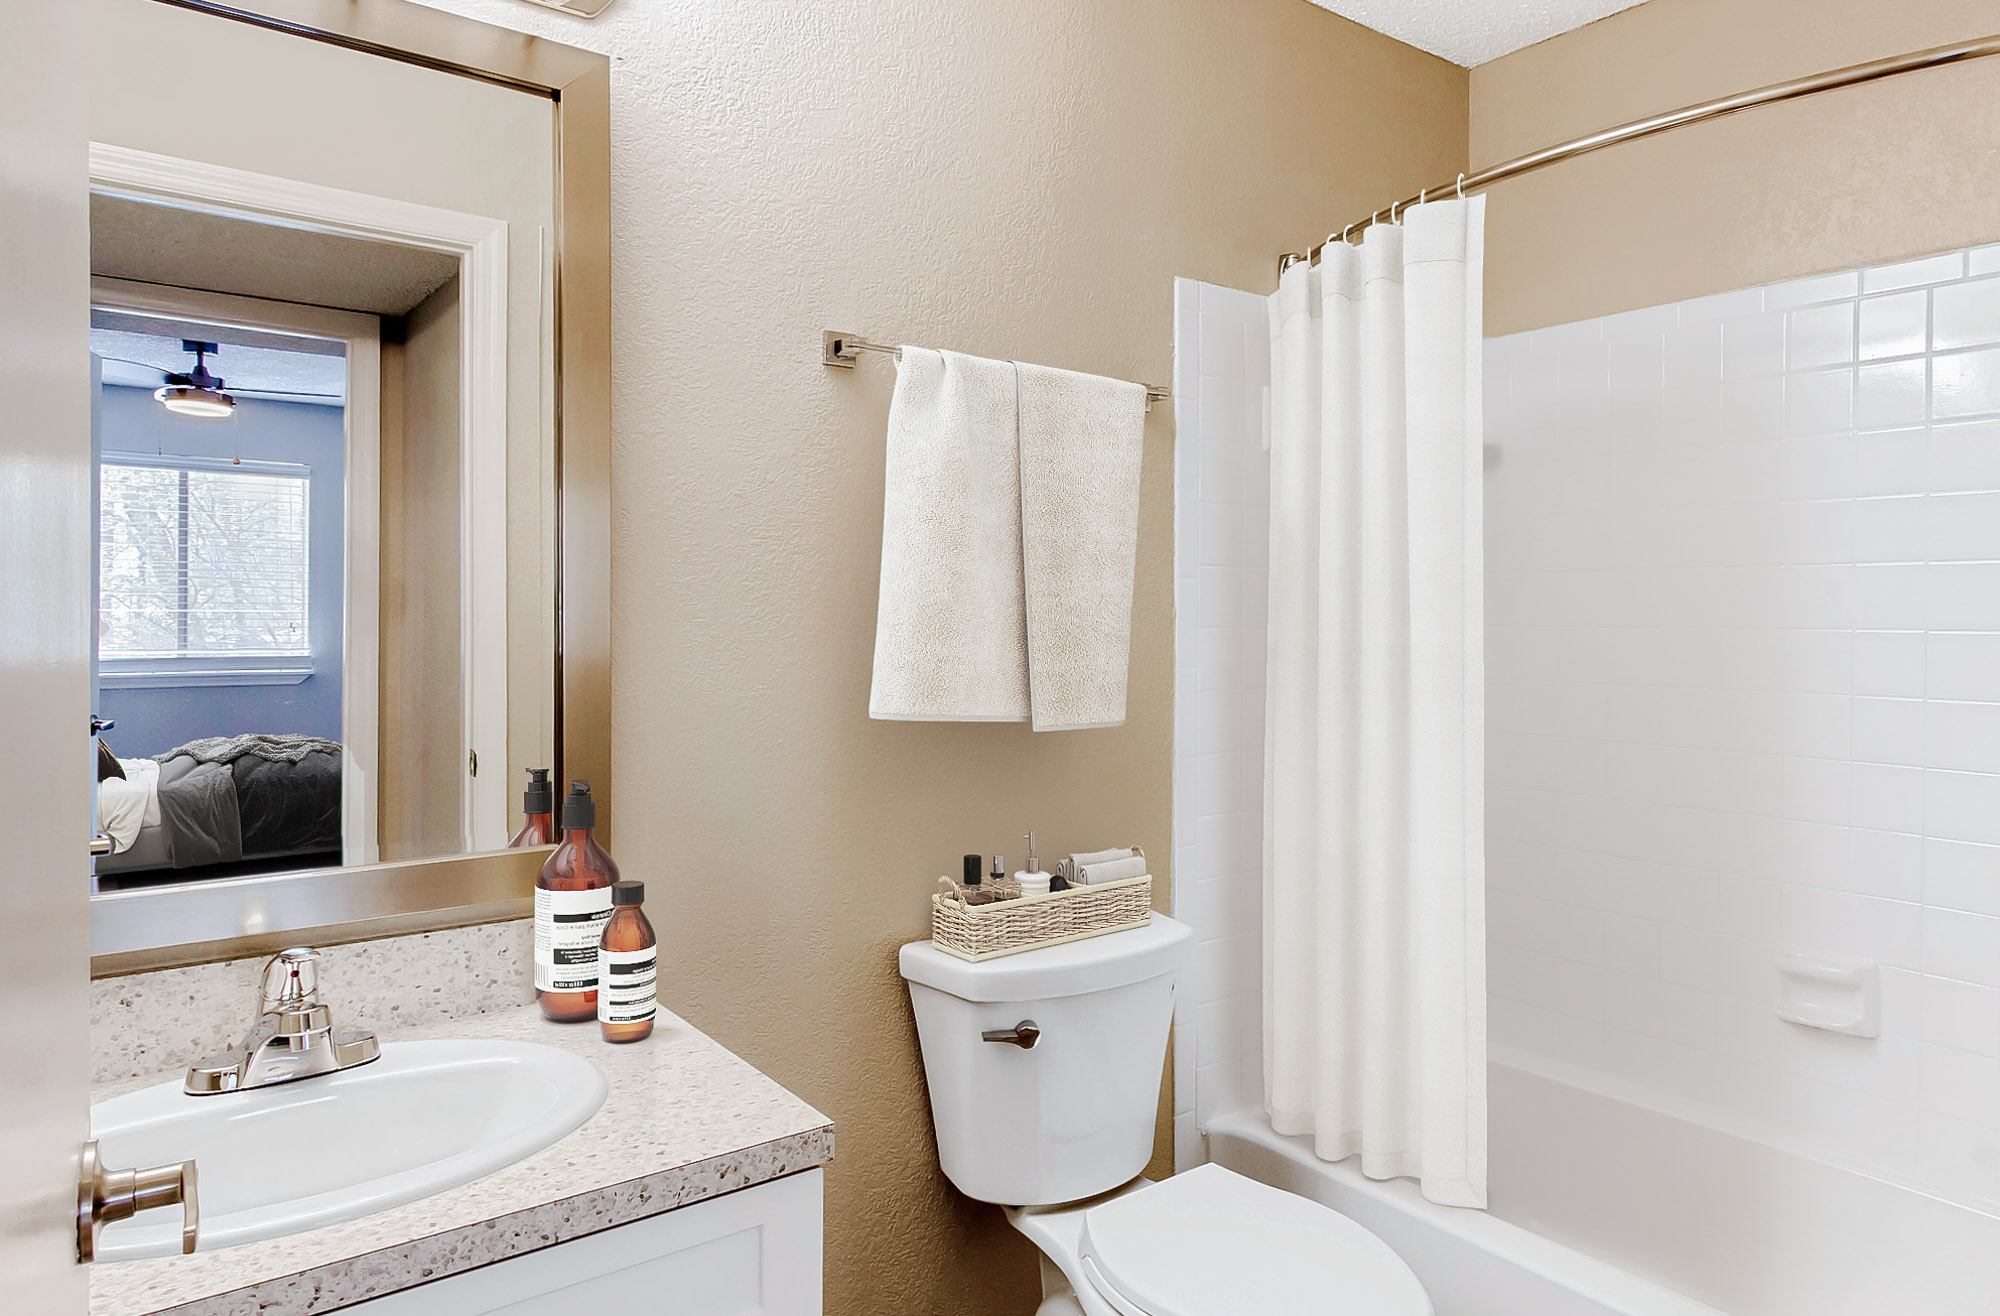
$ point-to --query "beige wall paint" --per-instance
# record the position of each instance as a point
(1020, 180)
(1861, 176)
(422, 722)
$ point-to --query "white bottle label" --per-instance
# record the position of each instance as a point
(629, 993)
(568, 926)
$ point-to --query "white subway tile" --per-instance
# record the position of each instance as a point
(1228, 906)
(1964, 527)
(1963, 737)
(1962, 596)
(1983, 260)
(1962, 665)
(1965, 383)
(1897, 325)
(1931, 269)
(1961, 1014)
(1889, 663)
(1961, 946)
(1965, 456)
(1753, 345)
(1889, 394)
(1966, 314)
(1226, 966)
(1962, 806)
(1840, 923)
(1819, 403)
(1887, 731)
(1819, 336)
(1894, 461)
(1889, 799)
(1888, 530)
(1961, 876)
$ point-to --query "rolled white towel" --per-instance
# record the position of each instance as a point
(1100, 857)
(1116, 870)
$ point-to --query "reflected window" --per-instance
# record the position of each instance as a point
(204, 560)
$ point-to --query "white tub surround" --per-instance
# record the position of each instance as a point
(1602, 1207)
(684, 1121)
(1374, 746)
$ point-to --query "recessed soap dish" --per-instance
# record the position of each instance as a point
(1839, 993)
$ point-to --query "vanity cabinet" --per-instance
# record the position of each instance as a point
(753, 1252)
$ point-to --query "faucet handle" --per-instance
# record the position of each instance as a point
(291, 981)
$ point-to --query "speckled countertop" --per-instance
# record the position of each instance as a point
(684, 1120)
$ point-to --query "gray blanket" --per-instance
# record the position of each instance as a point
(273, 749)
(198, 812)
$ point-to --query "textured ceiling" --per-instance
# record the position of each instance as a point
(141, 360)
(192, 249)
(1471, 32)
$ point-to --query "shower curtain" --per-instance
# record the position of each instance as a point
(1374, 747)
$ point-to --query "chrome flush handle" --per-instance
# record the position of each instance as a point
(1024, 1034)
(103, 1196)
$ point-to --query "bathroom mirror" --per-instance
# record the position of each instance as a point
(349, 330)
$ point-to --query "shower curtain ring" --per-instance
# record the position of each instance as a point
(1461, 187)
(1343, 235)
(1422, 192)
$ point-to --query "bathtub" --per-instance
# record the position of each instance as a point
(1601, 1207)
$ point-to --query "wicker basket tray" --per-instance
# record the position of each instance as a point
(1008, 927)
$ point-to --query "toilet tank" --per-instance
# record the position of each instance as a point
(1073, 1115)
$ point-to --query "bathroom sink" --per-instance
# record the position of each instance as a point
(425, 1117)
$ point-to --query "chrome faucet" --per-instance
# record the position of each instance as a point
(292, 1037)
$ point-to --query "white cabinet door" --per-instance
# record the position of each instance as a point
(751, 1253)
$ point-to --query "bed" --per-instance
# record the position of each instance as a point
(222, 801)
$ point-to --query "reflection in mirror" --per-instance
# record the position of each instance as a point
(324, 422)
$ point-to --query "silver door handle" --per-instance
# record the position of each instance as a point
(1024, 1034)
(100, 844)
(103, 1196)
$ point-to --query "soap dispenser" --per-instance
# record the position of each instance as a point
(572, 905)
(538, 808)
(1032, 880)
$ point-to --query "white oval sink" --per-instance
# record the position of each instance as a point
(425, 1117)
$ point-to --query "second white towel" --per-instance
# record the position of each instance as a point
(1010, 530)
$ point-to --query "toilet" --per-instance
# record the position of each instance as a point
(1044, 1074)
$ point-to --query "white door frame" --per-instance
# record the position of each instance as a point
(480, 243)
(361, 609)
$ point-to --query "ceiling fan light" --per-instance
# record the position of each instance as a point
(188, 400)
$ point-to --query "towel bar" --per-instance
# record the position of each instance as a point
(841, 351)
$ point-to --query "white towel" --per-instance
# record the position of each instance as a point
(1010, 529)
(1113, 870)
(951, 625)
(1080, 441)
(1100, 857)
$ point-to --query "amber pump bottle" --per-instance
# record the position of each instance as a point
(538, 808)
(629, 959)
(572, 904)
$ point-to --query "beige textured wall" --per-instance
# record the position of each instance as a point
(1014, 179)
(1865, 175)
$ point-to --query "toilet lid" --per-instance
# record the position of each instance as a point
(1213, 1243)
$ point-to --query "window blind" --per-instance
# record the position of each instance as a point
(203, 560)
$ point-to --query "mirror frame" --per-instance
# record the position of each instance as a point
(229, 918)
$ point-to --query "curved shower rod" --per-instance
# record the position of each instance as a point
(1852, 76)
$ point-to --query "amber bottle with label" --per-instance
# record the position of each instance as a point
(572, 905)
(628, 961)
(538, 808)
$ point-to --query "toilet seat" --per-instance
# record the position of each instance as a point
(1213, 1243)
